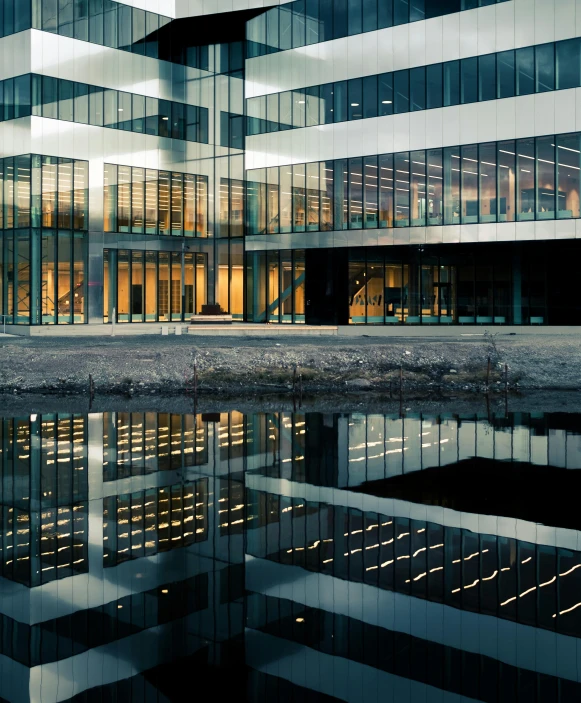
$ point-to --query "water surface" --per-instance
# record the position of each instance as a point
(290, 556)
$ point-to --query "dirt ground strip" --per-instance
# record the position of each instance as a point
(245, 367)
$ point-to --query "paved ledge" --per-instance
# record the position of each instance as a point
(246, 329)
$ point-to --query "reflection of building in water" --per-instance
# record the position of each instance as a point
(139, 547)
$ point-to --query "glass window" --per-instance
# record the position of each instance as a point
(355, 193)
(151, 35)
(369, 15)
(137, 200)
(82, 20)
(468, 80)
(138, 37)
(385, 163)
(272, 112)
(151, 121)
(164, 118)
(545, 67)
(326, 186)
(124, 118)
(340, 19)
(525, 71)
(151, 202)
(81, 107)
(451, 186)
(370, 171)
(66, 96)
(124, 199)
(402, 189)
(401, 12)
(354, 18)
(49, 97)
(298, 12)
(418, 199)
(506, 181)
(124, 13)
(385, 98)
(355, 88)
(525, 154)
(451, 83)
(418, 89)
(65, 194)
(178, 121)
(545, 180)
(163, 203)
(568, 165)
(285, 27)
(95, 106)
(22, 97)
(341, 191)
(110, 24)
(487, 182)
(313, 107)
(299, 111)
(138, 114)
(568, 56)
(286, 110)
(286, 203)
(299, 201)
(435, 187)
(189, 204)
(341, 101)
(312, 21)
(313, 198)
(201, 206)
(434, 85)
(81, 195)
(469, 184)
(325, 20)
(272, 196)
(65, 17)
(401, 91)
(110, 198)
(177, 206)
(487, 77)
(505, 74)
(110, 108)
(370, 96)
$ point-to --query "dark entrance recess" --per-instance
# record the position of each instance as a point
(326, 287)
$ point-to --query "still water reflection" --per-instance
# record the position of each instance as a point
(290, 556)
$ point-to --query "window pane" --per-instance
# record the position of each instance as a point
(81, 195)
(401, 90)
(469, 184)
(49, 97)
(369, 15)
(286, 207)
(386, 190)
(22, 98)
(451, 186)
(124, 199)
(124, 112)
(299, 111)
(506, 181)
(525, 150)
(370, 96)
(487, 77)
(418, 188)
(286, 110)
(65, 194)
(451, 83)
(313, 108)
(272, 112)
(137, 199)
(385, 98)
(355, 88)
(164, 203)
(340, 107)
(299, 184)
(177, 194)
(371, 191)
(487, 182)
(384, 14)
(435, 187)
(568, 63)
(525, 71)
(418, 89)
(313, 197)
(402, 189)
(505, 74)
(354, 18)
(340, 19)
(272, 195)
(545, 178)
(468, 80)
(110, 108)
(138, 114)
(95, 106)
(81, 112)
(568, 165)
(435, 87)
(545, 67)
(326, 176)
(355, 193)
(110, 198)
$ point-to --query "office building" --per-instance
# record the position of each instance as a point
(343, 162)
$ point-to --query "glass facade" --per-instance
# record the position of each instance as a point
(305, 22)
(488, 77)
(146, 201)
(43, 239)
(153, 286)
(516, 180)
(43, 498)
(275, 286)
(59, 99)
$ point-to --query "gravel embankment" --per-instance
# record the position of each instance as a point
(245, 367)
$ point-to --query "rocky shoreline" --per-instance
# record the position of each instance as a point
(245, 367)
